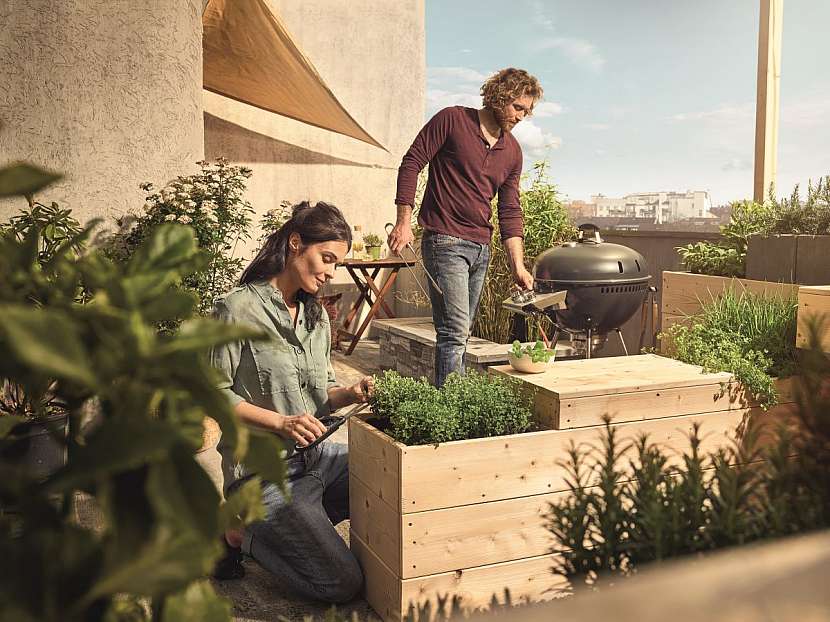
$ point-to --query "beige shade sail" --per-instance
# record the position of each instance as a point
(250, 56)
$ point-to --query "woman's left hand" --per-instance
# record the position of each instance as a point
(364, 389)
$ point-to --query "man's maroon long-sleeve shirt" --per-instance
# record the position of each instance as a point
(464, 176)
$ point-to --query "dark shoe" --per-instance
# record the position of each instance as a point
(230, 565)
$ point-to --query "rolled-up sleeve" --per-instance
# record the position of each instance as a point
(511, 222)
(225, 358)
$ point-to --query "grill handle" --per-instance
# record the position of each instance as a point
(590, 229)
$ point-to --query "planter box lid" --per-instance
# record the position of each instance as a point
(617, 374)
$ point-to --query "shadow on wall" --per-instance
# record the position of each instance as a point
(239, 144)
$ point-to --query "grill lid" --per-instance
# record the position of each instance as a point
(592, 261)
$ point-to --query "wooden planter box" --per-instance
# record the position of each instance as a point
(813, 304)
(789, 258)
(467, 518)
(683, 294)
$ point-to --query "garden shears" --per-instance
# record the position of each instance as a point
(332, 423)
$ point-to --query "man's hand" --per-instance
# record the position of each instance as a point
(400, 237)
(302, 429)
(523, 278)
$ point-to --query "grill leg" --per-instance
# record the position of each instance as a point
(589, 343)
(622, 341)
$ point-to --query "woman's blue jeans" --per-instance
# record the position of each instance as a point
(459, 266)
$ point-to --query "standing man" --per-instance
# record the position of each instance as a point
(472, 156)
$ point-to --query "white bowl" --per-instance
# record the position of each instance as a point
(526, 365)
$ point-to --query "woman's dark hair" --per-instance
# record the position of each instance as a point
(314, 224)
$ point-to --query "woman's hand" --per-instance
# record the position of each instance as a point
(363, 390)
(302, 429)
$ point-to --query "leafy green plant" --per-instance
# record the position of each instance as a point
(538, 353)
(728, 258)
(273, 219)
(372, 239)
(56, 226)
(470, 406)
(150, 392)
(751, 336)
(211, 204)
(811, 216)
(546, 223)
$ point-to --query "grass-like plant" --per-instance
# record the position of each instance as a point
(470, 406)
(751, 336)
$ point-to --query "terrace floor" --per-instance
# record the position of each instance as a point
(259, 595)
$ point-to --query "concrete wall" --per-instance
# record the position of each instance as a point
(371, 55)
(107, 92)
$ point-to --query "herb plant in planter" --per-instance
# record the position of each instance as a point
(752, 336)
(373, 244)
(530, 359)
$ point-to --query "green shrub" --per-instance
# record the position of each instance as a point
(470, 406)
(811, 216)
(749, 335)
(546, 223)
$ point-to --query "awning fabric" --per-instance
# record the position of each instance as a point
(250, 56)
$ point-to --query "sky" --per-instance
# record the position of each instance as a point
(644, 95)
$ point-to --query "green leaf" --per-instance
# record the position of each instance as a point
(243, 506)
(21, 179)
(120, 444)
(198, 335)
(48, 341)
(182, 492)
(196, 603)
(266, 458)
(168, 247)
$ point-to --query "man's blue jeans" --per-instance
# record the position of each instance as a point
(459, 266)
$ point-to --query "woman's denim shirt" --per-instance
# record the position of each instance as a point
(289, 373)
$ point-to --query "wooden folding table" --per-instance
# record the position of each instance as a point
(363, 273)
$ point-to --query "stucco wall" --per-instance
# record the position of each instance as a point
(108, 92)
(371, 55)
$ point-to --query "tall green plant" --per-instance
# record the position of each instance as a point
(210, 203)
(161, 512)
(750, 335)
(546, 223)
(810, 216)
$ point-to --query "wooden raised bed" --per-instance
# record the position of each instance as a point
(467, 518)
(813, 303)
(683, 294)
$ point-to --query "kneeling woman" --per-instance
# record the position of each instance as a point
(283, 385)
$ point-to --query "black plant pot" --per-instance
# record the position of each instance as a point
(35, 447)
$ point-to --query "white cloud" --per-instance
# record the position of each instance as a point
(455, 74)
(737, 164)
(726, 112)
(581, 51)
(465, 51)
(534, 140)
(438, 99)
(598, 127)
(600, 152)
(807, 111)
(547, 109)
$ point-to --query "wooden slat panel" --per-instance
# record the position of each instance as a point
(476, 535)
(813, 303)
(507, 467)
(527, 579)
(683, 293)
(376, 523)
(375, 459)
(382, 586)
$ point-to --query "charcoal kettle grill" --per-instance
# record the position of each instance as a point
(605, 283)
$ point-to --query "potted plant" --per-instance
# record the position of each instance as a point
(37, 418)
(373, 244)
(530, 359)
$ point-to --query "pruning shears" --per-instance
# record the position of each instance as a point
(332, 424)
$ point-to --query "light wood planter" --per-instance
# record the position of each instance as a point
(683, 293)
(467, 518)
(813, 304)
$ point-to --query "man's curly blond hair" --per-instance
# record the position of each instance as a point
(508, 85)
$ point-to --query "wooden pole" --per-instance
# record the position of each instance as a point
(767, 106)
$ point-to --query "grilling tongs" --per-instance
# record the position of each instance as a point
(389, 226)
(332, 424)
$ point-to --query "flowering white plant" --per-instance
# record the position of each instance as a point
(211, 203)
